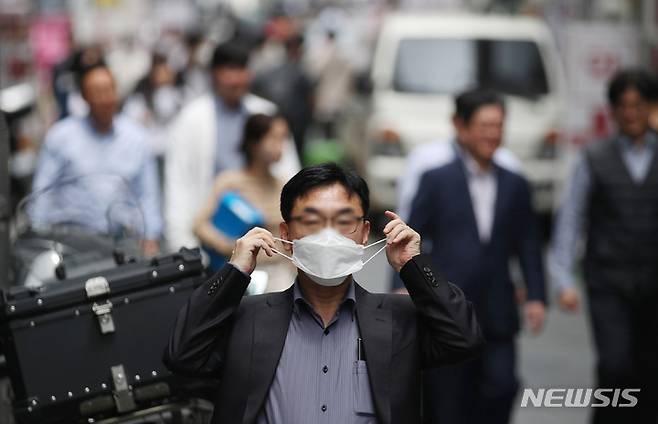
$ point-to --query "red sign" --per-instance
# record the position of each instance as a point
(50, 39)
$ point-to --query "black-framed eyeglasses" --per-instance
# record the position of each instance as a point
(345, 224)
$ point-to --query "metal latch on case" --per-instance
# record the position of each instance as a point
(103, 312)
(97, 286)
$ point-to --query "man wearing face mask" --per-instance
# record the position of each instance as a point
(325, 350)
(155, 102)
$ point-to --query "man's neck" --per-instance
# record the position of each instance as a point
(229, 106)
(637, 142)
(484, 165)
(101, 127)
(480, 163)
(325, 300)
(633, 143)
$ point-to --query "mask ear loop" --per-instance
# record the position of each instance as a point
(372, 244)
(281, 253)
(377, 252)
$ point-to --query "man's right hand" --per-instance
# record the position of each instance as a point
(569, 299)
(247, 248)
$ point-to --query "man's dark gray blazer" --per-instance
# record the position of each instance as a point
(239, 340)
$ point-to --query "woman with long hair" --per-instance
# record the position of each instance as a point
(254, 186)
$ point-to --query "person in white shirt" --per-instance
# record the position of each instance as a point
(205, 140)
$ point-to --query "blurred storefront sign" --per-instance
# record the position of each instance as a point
(593, 53)
(106, 20)
(650, 27)
(107, 3)
(50, 40)
(650, 20)
(15, 52)
(15, 7)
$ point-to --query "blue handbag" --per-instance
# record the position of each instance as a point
(234, 217)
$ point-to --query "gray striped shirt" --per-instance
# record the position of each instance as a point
(319, 379)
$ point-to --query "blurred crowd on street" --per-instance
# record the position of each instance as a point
(196, 128)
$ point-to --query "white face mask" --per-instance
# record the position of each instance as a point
(327, 256)
(165, 102)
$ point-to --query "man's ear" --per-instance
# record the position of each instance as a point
(461, 130)
(457, 122)
(83, 94)
(285, 234)
(365, 232)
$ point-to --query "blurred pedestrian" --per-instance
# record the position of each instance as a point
(101, 143)
(333, 83)
(262, 145)
(155, 102)
(65, 80)
(193, 78)
(205, 140)
(269, 50)
(612, 198)
(477, 216)
(291, 89)
(434, 155)
(129, 61)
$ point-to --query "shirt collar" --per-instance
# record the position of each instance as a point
(223, 108)
(473, 169)
(627, 145)
(92, 128)
(298, 298)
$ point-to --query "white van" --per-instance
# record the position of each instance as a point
(422, 61)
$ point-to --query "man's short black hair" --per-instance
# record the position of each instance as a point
(324, 175)
(625, 79)
(230, 55)
(468, 102)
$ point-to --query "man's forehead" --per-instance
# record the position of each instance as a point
(231, 71)
(328, 199)
(631, 94)
(488, 110)
(100, 76)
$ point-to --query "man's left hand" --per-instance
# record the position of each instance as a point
(402, 243)
(535, 314)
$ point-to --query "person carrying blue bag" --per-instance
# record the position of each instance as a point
(245, 198)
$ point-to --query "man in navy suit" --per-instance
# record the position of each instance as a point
(477, 216)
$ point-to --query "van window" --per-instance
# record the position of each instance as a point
(449, 66)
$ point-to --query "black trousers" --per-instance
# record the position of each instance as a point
(625, 329)
(474, 392)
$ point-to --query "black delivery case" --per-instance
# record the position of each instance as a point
(91, 347)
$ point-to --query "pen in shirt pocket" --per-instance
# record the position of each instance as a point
(360, 353)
